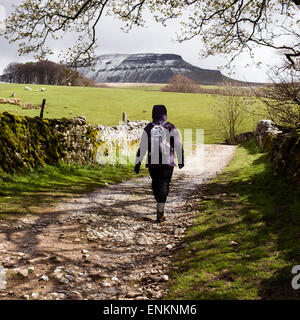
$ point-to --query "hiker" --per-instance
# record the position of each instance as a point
(160, 139)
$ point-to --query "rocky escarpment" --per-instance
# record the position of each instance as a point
(147, 68)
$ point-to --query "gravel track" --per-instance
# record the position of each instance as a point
(105, 244)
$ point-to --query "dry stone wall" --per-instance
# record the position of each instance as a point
(78, 139)
(30, 142)
(283, 149)
(119, 142)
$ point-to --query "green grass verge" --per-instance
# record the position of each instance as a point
(39, 189)
(260, 212)
(105, 106)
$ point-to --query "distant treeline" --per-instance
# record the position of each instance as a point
(43, 72)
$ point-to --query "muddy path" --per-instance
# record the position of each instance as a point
(105, 244)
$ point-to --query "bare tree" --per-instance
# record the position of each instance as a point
(230, 111)
(10, 73)
(282, 97)
(181, 83)
(224, 26)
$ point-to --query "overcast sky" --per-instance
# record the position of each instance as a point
(152, 39)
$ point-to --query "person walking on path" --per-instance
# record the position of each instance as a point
(161, 140)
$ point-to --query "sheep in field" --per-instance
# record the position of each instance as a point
(43, 89)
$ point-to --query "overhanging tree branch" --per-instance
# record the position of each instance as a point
(224, 26)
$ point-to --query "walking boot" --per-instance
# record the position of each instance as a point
(160, 216)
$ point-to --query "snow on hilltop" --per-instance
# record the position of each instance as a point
(146, 68)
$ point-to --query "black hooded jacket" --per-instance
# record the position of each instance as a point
(159, 115)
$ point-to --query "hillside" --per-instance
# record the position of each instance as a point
(147, 68)
(106, 106)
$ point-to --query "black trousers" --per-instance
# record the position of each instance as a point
(161, 178)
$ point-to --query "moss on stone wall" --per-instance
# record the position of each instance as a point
(91, 135)
(284, 152)
(30, 142)
(27, 143)
(78, 138)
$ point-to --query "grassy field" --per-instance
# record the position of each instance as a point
(261, 214)
(106, 105)
(39, 189)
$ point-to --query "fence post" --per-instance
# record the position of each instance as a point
(124, 117)
(42, 108)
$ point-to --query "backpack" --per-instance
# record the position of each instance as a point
(159, 143)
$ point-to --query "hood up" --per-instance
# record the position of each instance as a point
(159, 114)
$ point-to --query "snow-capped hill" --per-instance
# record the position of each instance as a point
(103, 64)
(146, 68)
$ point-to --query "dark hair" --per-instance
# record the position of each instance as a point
(159, 113)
